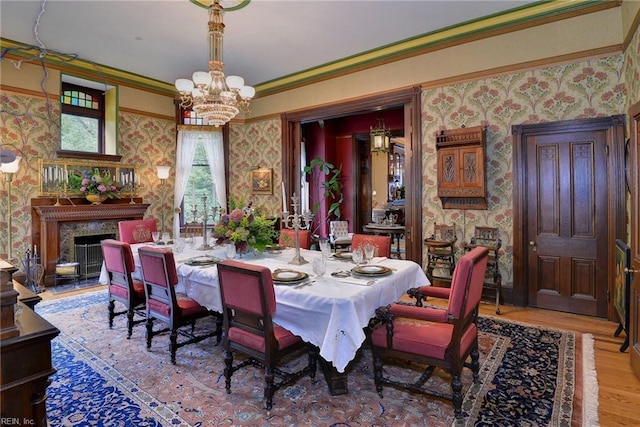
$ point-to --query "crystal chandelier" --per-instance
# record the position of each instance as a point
(380, 137)
(212, 96)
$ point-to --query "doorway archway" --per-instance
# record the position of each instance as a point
(409, 100)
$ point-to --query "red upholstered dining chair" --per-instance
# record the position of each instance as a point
(118, 260)
(288, 238)
(431, 338)
(137, 230)
(381, 243)
(248, 301)
(176, 310)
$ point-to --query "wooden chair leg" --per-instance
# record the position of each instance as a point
(269, 388)
(456, 387)
(228, 370)
(149, 331)
(173, 346)
(112, 314)
(130, 322)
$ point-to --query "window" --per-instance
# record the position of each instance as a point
(199, 184)
(82, 119)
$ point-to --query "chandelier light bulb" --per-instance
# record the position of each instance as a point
(212, 96)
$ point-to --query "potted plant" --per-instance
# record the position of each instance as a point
(326, 177)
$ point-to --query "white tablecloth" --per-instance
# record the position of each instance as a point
(330, 313)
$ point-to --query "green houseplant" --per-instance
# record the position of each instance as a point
(328, 179)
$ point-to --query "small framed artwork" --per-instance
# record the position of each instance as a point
(262, 181)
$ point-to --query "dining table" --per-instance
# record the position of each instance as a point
(396, 231)
(329, 311)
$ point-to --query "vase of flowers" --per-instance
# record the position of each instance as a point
(96, 186)
(245, 229)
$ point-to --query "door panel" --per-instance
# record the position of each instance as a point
(567, 227)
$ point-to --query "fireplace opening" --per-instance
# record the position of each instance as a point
(88, 253)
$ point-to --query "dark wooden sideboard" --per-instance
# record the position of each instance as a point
(25, 359)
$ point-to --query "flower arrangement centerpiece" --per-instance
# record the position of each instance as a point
(97, 183)
(246, 228)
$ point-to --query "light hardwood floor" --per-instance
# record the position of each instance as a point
(618, 387)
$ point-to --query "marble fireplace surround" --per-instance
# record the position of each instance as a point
(54, 227)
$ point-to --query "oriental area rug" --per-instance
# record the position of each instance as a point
(529, 376)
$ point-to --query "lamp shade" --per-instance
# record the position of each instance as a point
(184, 85)
(235, 82)
(163, 171)
(11, 167)
(7, 156)
(247, 92)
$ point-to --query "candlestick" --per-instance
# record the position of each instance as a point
(284, 199)
(296, 222)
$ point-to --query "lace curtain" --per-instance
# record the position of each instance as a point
(214, 149)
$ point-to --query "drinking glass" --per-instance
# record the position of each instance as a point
(368, 252)
(357, 256)
(230, 251)
(155, 235)
(319, 266)
(325, 247)
(178, 244)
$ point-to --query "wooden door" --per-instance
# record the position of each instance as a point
(569, 207)
(567, 210)
(634, 181)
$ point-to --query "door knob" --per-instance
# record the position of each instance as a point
(533, 246)
(532, 243)
(631, 271)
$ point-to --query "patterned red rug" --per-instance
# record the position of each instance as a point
(529, 376)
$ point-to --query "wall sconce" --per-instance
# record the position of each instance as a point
(9, 169)
(163, 174)
(380, 137)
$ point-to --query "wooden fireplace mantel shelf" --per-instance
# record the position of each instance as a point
(90, 212)
(46, 220)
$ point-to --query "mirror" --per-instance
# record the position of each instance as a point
(387, 179)
(54, 176)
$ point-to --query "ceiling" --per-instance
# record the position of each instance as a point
(264, 41)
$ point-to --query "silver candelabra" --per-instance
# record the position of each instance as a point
(296, 222)
(205, 216)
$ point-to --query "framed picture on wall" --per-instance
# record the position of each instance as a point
(261, 181)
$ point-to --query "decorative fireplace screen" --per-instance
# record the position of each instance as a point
(88, 254)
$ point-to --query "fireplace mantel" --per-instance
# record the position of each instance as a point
(46, 219)
(90, 212)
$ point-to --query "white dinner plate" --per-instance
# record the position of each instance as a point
(371, 270)
(288, 276)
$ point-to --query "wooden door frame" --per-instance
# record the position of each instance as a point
(410, 98)
(617, 224)
(632, 329)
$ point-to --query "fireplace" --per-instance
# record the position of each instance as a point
(54, 228)
(88, 253)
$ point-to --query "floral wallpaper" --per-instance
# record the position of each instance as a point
(256, 145)
(590, 88)
(28, 126)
